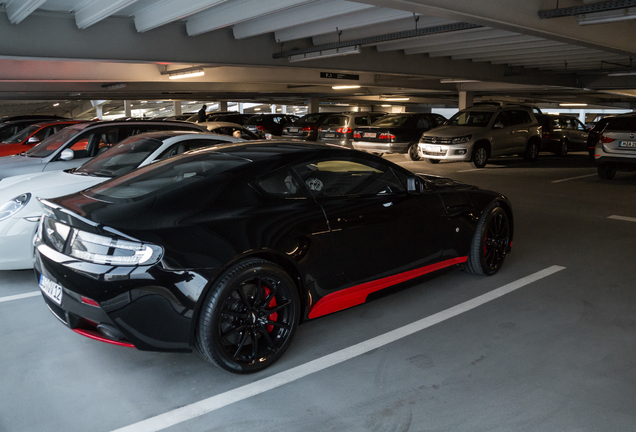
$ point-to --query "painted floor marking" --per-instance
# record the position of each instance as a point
(19, 296)
(214, 403)
(623, 218)
(574, 178)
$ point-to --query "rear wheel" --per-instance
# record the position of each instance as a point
(562, 150)
(248, 317)
(532, 151)
(606, 172)
(480, 156)
(490, 242)
(413, 153)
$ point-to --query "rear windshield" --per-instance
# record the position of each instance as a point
(54, 142)
(256, 120)
(307, 119)
(470, 118)
(622, 124)
(165, 176)
(335, 121)
(122, 158)
(392, 120)
(22, 135)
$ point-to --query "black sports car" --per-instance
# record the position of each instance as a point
(227, 249)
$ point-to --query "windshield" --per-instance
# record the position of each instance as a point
(54, 142)
(392, 120)
(22, 135)
(165, 176)
(470, 118)
(122, 158)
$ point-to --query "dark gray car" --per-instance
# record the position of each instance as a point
(74, 145)
(338, 128)
(562, 133)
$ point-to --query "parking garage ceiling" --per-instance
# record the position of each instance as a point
(284, 51)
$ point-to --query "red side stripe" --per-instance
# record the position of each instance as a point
(357, 294)
(98, 337)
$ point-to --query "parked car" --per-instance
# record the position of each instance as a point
(36, 117)
(595, 132)
(281, 232)
(20, 210)
(306, 127)
(32, 135)
(12, 127)
(396, 133)
(269, 124)
(562, 133)
(476, 134)
(338, 128)
(230, 129)
(616, 146)
(75, 144)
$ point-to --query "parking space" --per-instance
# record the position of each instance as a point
(554, 353)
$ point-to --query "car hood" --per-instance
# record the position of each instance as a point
(454, 131)
(45, 185)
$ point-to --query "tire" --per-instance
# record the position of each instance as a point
(248, 317)
(606, 172)
(480, 156)
(490, 242)
(413, 152)
(432, 161)
(532, 151)
(562, 150)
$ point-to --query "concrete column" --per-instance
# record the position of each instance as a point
(128, 108)
(240, 107)
(272, 108)
(223, 106)
(466, 99)
(177, 107)
(313, 105)
(99, 109)
(582, 116)
(284, 109)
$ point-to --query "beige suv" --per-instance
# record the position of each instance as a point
(478, 133)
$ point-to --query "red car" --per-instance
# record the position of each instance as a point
(31, 135)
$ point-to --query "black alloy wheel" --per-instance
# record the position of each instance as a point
(606, 172)
(532, 152)
(480, 156)
(413, 153)
(490, 242)
(248, 317)
(562, 150)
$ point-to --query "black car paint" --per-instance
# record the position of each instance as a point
(156, 307)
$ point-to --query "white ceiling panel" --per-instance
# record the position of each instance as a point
(166, 11)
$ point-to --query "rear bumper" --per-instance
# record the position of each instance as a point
(379, 147)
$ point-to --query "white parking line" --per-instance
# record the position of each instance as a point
(573, 178)
(623, 218)
(19, 296)
(213, 403)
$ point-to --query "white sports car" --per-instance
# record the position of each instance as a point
(20, 210)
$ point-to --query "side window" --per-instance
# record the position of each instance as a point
(520, 117)
(341, 177)
(361, 121)
(281, 183)
(42, 133)
(579, 126)
(503, 118)
(424, 123)
(184, 146)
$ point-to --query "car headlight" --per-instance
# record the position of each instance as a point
(13, 206)
(461, 140)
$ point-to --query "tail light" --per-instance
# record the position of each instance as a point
(260, 128)
(547, 135)
(319, 129)
(344, 130)
(357, 135)
(605, 139)
(386, 136)
(309, 128)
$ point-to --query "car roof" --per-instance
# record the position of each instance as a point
(163, 135)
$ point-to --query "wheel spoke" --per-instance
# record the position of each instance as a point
(243, 297)
(234, 314)
(254, 346)
(279, 324)
(268, 339)
(277, 308)
(240, 346)
(231, 332)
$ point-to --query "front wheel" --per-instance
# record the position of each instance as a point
(606, 172)
(413, 153)
(490, 242)
(532, 152)
(248, 317)
(480, 156)
(562, 150)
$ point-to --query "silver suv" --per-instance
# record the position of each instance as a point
(478, 133)
(616, 146)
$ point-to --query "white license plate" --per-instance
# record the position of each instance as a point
(51, 289)
(434, 149)
(369, 135)
(292, 130)
(330, 135)
(627, 143)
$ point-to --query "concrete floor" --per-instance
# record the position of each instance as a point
(558, 354)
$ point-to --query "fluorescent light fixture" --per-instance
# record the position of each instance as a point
(573, 104)
(343, 87)
(397, 99)
(622, 73)
(187, 74)
(56, 104)
(607, 16)
(336, 52)
(386, 106)
(456, 80)
(257, 109)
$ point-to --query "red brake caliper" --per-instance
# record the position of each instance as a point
(274, 316)
(485, 242)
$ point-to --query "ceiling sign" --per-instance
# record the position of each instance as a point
(334, 75)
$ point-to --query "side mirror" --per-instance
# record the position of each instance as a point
(33, 140)
(498, 126)
(414, 185)
(67, 154)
